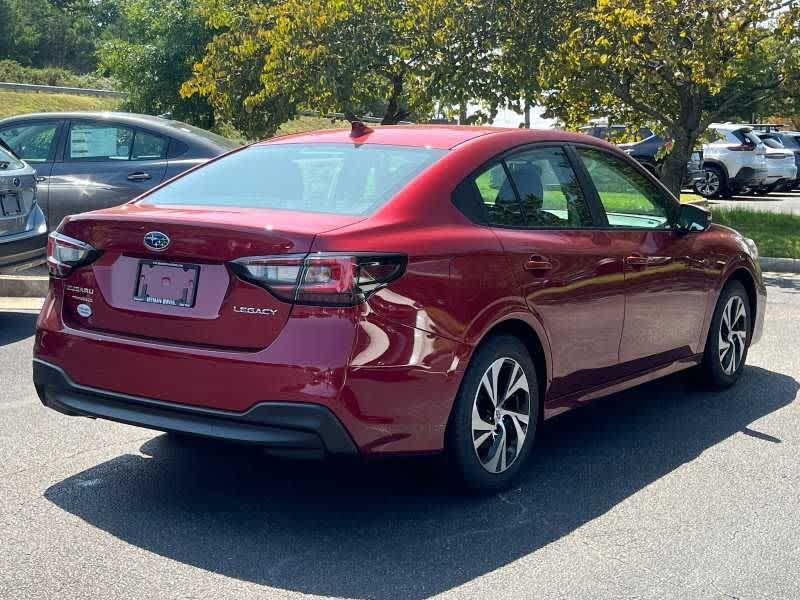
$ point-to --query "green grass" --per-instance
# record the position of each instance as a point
(776, 235)
(19, 103)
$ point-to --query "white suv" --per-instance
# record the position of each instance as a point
(734, 160)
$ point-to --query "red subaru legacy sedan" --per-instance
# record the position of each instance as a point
(397, 290)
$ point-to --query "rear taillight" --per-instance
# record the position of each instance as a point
(65, 253)
(322, 279)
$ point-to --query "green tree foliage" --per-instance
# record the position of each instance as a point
(156, 44)
(679, 63)
(229, 74)
(352, 57)
(61, 33)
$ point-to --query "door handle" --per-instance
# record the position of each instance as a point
(538, 263)
(637, 260)
(139, 176)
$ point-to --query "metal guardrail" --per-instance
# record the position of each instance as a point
(55, 89)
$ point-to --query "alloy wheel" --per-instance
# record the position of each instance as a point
(732, 335)
(709, 185)
(500, 415)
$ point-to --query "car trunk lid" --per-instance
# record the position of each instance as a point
(185, 293)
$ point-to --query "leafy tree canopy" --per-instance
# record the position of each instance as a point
(156, 45)
(679, 63)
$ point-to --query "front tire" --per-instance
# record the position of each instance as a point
(495, 416)
(728, 338)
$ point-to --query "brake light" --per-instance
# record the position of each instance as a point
(323, 279)
(742, 148)
(65, 254)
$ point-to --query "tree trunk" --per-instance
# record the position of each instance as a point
(527, 113)
(462, 113)
(394, 114)
(674, 165)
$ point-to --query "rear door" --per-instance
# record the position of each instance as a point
(104, 164)
(36, 142)
(566, 270)
(667, 280)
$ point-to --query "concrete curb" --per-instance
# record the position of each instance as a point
(23, 286)
(780, 265)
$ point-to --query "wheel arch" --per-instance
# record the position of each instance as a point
(710, 162)
(527, 333)
(743, 276)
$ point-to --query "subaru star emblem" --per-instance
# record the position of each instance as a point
(155, 240)
(16, 181)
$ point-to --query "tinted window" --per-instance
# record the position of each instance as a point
(791, 141)
(499, 201)
(629, 198)
(99, 141)
(329, 178)
(33, 142)
(549, 191)
(147, 146)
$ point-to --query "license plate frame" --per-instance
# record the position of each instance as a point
(187, 275)
(9, 204)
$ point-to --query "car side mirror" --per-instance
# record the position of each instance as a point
(693, 218)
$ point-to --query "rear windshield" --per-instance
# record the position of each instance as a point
(204, 133)
(8, 161)
(343, 179)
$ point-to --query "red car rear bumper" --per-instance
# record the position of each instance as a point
(389, 387)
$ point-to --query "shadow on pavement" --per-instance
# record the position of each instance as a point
(16, 326)
(393, 529)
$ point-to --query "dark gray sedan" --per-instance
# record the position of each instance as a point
(86, 161)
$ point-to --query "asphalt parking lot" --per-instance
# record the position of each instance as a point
(661, 492)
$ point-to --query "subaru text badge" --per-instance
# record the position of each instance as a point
(155, 240)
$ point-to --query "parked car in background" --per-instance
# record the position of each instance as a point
(85, 161)
(23, 232)
(646, 153)
(790, 140)
(733, 161)
(781, 167)
(402, 290)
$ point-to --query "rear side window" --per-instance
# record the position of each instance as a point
(549, 190)
(147, 146)
(99, 141)
(330, 178)
(533, 189)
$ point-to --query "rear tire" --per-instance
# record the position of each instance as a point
(713, 185)
(487, 441)
(728, 338)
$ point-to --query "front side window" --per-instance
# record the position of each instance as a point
(629, 198)
(341, 179)
(99, 141)
(32, 142)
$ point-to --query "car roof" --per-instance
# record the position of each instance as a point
(167, 127)
(432, 136)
